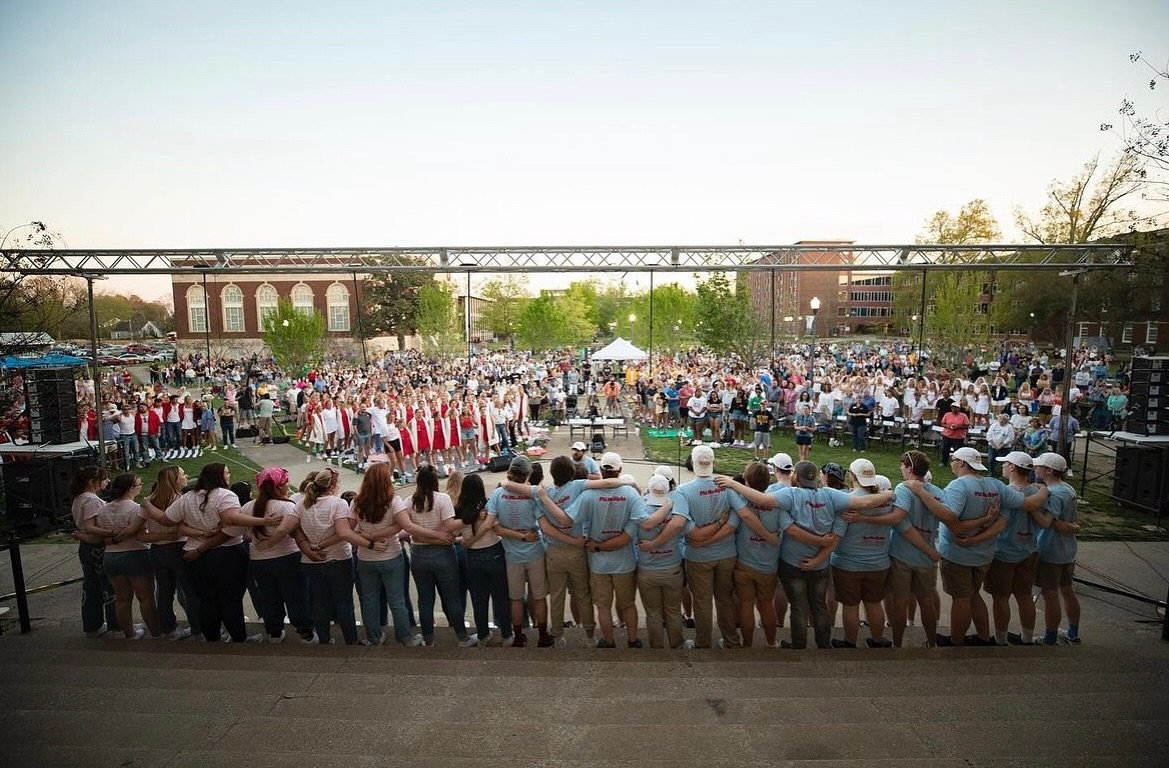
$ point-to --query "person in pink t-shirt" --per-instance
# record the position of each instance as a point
(127, 560)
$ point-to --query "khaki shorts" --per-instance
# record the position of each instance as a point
(752, 585)
(906, 581)
(961, 581)
(1054, 575)
(531, 573)
(605, 585)
(1006, 579)
(855, 587)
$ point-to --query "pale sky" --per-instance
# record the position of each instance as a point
(479, 123)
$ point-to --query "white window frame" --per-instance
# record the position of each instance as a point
(264, 308)
(1151, 330)
(233, 309)
(1126, 334)
(196, 309)
(338, 310)
(311, 307)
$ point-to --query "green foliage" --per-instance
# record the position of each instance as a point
(550, 322)
(673, 307)
(390, 304)
(725, 321)
(955, 320)
(437, 322)
(504, 301)
(295, 338)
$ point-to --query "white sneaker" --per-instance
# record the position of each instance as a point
(688, 645)
(417, 642)
(260, 637)
(469, 642)
(561, 642)
(179, 633)
(139, 633)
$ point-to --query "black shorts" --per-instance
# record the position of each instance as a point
(394, 445)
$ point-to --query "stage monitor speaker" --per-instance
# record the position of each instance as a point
(51, 397)
(1124, 480)
(36, 493)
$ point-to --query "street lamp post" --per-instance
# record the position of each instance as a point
(815, 305)
(357, 307)
(787, 323)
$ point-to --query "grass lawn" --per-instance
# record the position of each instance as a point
(1102, 518)
(242, 468)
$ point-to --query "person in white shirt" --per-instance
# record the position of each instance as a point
(1000, 438)
(127, 559)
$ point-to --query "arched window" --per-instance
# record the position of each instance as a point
(266, 301)
(196, 309)
(337, 297)
(302, 298)
(233, 309)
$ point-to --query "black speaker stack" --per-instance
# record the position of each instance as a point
(1148, 396)
(51, 396)
(36, 493)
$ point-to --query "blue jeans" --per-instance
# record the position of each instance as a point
(501, 430)
(331, 592)
(97, 594)
(171, 435)
(860, 437)
(220, 577)
(227, 428)
(171, 578)
(435, 566)
(129, 446)
(992, 453)
(806, 591)
(375, 578)
(487, 578)
(377, 442)
(282, 587)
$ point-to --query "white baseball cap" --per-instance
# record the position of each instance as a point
(611, 461)
(1018, 458)
(971, 457)
(664, 471)
(782, 461)
(579, 446)
(864, 472)
(1051, 461)
(702, 457)
(883, 483)
(659, 490)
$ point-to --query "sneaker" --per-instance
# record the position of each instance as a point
(470, 641)
(872, 642)
(95, 634)
(774, 646)
(603, 643)
(417, 642)
(519, 640)
(977, 642)
(259, 637)
(561, 642)
(179, 633)
(688, 645)
(634, 643)
(842, 644)
(138, 634)
(943, 641)
(1067, 639)
(787, 645)
(547, 641)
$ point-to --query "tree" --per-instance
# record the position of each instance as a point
(1088, 208)
(673, 308)
(503, 302)
(295, 338)
(30, 303)
(391, 303)
(725, 322)
(1145, 137)
(436, 320)
(954, 311)
(540, 324)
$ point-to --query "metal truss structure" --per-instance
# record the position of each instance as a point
(589, 259)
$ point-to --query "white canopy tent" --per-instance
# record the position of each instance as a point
(619, 349)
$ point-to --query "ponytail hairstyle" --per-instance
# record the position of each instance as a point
(322, 483)
(166, 488)
(122, 484)
(85, 476)
(426, 485)
(210, 478)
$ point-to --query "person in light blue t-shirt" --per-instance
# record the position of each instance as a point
(659, 565)
(1013, 570)
(757, 569)
(811, 526)
(710, 551)
(1057, 550)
